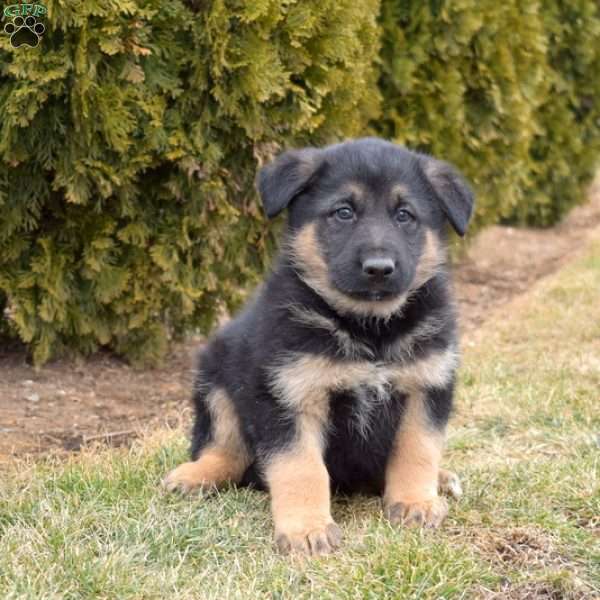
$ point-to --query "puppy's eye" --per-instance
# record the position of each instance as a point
(345, 213)
(403, 216)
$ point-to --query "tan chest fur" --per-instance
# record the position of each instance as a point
(303, 382)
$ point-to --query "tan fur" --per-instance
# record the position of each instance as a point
(226, 429)
(300, 498)
(297, 478)
(449, 484)
(225, 459)
(355, 189)
(213, 468)
(432, 258)
(303, 380)
(401, 191)
(299, 384)
(307, 256)
(434, 370)
(312, 267)
(411, 479)
(428, 513)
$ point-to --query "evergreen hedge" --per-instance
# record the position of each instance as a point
(566, 154)
(130, 137)
(508, 91)
(129, 141)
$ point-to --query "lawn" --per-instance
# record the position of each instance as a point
(525, 440)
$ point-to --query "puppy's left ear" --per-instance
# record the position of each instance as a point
(453, 192)
(287, 176)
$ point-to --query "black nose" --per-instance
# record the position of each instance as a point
(378, 268)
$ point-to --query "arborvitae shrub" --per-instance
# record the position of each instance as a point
(509, 91)
(566, 153)
(129, 141)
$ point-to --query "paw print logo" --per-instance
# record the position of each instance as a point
(25, 32)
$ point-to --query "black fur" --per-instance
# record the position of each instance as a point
(240, 358)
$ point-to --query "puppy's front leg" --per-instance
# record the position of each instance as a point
(411, 481)
(296, 474)
(300, 499)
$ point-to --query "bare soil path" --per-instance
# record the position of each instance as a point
(65, 405)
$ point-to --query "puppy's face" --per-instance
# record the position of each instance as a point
(369, 217)
(366, 219)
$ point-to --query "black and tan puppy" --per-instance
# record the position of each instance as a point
(339, 374)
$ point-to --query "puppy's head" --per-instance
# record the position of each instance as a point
(366, 219)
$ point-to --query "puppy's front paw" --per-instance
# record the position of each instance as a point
(428, 513)
(314, 540)
(186, 478)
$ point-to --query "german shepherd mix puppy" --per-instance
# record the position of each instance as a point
(339, 374)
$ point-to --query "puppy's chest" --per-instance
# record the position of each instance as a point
(370, 381)
(363, 409)
(308, 383)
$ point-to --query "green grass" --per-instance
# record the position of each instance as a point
(525, 440)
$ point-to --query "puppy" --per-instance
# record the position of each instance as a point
(339, 374)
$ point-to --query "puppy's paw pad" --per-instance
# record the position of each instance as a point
(317, 541)
(429, 513)
(186, 478)
(449, 484)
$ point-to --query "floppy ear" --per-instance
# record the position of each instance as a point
(287, 176)
(453, 192)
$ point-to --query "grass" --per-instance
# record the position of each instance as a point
(525, 440)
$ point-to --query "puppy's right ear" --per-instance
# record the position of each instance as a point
(453, 192)
(287, 176)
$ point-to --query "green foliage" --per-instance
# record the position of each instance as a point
(508, 91)
(566, 153)
(129, 140)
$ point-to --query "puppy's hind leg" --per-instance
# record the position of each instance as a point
(219, 450)
(449, 484)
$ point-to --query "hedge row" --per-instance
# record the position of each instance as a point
(129, 140)
(509, 91)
